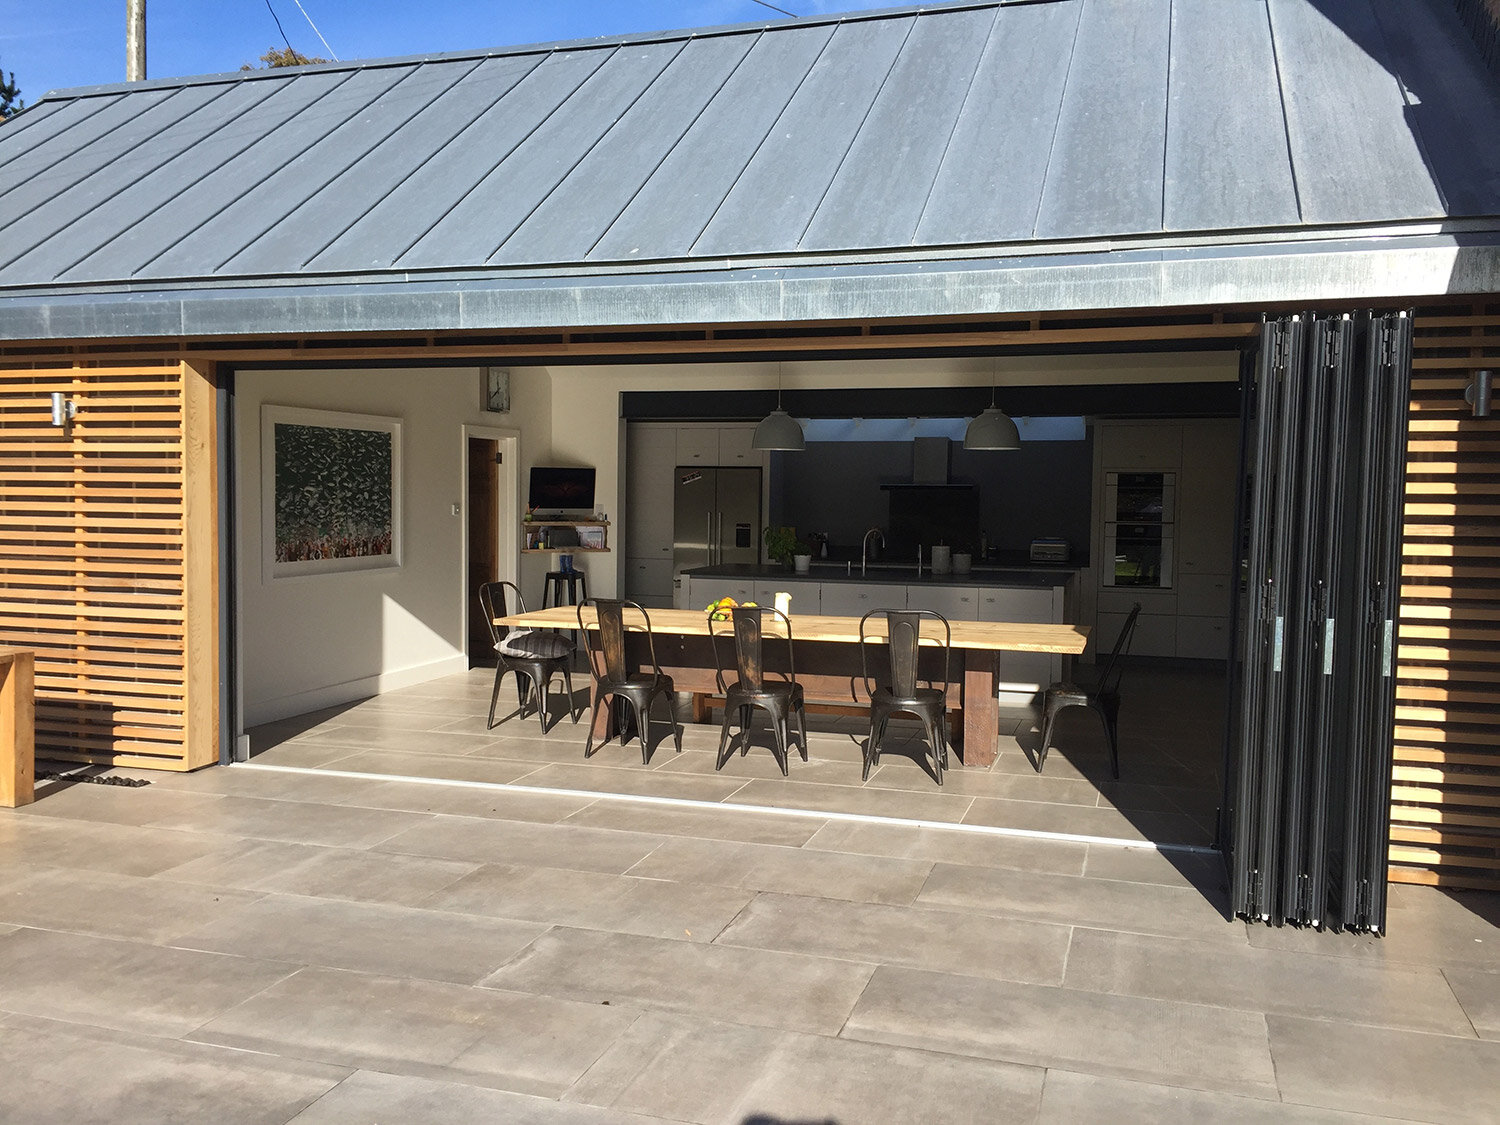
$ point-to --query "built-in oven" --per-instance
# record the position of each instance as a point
(1139, 514)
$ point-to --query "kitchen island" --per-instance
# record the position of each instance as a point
(1039, 593)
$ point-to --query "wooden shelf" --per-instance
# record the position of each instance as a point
(529, 527)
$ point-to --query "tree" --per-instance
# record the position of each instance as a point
(283, 56)
(10, 96)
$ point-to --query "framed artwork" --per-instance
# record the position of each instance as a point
(591, 537)
(330, 491)
(495, 389)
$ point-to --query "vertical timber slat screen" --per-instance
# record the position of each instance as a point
(94, 571)
(1445, 799)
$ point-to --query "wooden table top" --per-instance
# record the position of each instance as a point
(1008, 636)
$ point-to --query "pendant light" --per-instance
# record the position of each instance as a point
(993, 429)
(778, 429)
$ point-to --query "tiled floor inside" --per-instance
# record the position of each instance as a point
(1170, 755)
(244, 945)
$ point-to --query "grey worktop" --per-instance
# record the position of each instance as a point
(1034, 575)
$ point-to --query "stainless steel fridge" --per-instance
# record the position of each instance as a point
(715, 517)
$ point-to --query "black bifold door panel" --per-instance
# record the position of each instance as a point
(1306, 815)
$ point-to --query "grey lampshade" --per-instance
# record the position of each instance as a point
(778, 430)
(993, 429)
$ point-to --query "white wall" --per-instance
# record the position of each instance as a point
(315, 640)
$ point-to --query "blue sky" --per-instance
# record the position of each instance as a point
(54, 44)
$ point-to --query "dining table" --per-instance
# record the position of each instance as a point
(826, 651)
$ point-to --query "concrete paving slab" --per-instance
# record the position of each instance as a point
(1379, 1070)
(1261, 980)
(118, 849)
(1479, 993)
(540, 845)
(593, 900)
(335, 873)
(61, 1075)
(1002, 948)
(368, 1096)
(529, 1044)
(896, 803)
(762, 867)
(1085, 1099)
(296, 821)
(1074, 900)
(123, 906)
(741, 985)
(127, 985)
(1158, 1041)
(701, 824)
(943, 846)
(484, 802)
(367, 937)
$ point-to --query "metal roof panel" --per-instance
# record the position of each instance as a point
(1106, 173)
(1227, 163)
(770, 205)
(1355, 155)
(989, 186)
(876, 199)
(568, 222)
(478, 224)
(1452, 101)
(676, 203)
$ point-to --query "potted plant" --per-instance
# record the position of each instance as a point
(782, 544)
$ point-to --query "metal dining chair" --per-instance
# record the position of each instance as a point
(902, 691)
(613, 679)
(779, 698)
(1100, 694)
(531, 654)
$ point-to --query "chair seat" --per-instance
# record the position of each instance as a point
(529, 644)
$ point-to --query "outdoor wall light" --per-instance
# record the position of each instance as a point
(1477, 393)
(64, 409)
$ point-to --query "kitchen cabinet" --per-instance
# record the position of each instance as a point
(651, 454)
(956, 603)
(855, 599)
(1023, 675)
(806, 596)
(716, 445)
(649, 581)
(1189, 615)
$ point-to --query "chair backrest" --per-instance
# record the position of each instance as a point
(904, 638)
(1109, 678)
(493, 602)
(748, 624)
(606, 645)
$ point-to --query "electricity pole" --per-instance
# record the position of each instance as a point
(135, 40)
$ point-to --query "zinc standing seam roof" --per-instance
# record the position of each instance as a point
(1020, 130)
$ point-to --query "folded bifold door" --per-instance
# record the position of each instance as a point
(1308, 785)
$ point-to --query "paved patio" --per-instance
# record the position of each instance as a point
(255, 945)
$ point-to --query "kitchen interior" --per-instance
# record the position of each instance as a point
(1087, 517)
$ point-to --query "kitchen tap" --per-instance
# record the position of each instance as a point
(864, 548)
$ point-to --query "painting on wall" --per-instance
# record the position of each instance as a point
(331, 491)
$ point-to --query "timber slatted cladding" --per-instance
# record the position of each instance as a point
(96, 569)
(1445, 813)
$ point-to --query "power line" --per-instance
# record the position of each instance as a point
(774, 8)
(314, 26)
(279, 28)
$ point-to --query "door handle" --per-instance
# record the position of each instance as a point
(708, 539)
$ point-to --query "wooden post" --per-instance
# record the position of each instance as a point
(200, 468)
(17, 728)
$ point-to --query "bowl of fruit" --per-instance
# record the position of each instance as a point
(719, 610)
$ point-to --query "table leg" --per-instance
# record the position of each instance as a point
(702, 711)
(981, 721)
